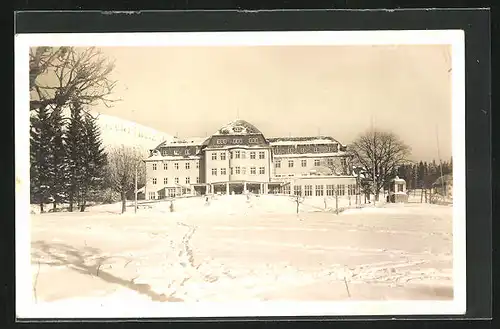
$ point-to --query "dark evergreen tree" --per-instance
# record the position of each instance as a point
(57, 163)
(420, 175)
(40, 157)
(93, 160)
(74, 157)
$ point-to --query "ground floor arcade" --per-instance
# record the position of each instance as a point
(317, 186)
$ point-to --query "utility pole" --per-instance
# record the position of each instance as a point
(440, 163)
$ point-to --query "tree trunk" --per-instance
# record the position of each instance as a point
(71, 196)
(82, 207)
(297, 206)
(41, 207)
(54, 206)
(124, 202)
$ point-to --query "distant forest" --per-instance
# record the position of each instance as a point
(424, 174)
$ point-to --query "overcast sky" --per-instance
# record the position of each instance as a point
(290, 90)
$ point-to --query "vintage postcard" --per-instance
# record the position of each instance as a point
(240, 174)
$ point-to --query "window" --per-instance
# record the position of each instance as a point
(223, 171)
(330, 162)
(308, 190)
(222, 141)
(214, 156)
(316, 162)
(163, 152)
(154, 180)
(243, 154)
(176, 152)
(236, 154)
(243, 170)
(237, 170)
(343, 162)
(400, 187)
(341, 189)
(278, 164)
(290, 150)
(297, 190)
(286, 189)
(231, 170)
(223, 156)
(262, 155)
(186, 152)
(165, 166)
(188, 165)
(197, 180)
(214, 171)
(176, 180)
(231, 154)
(262, 170)
(165, 181)
(154, 166)
(188, 180)
(303, 163)
(237, 140)
(252, 155)
(316, 150)
(252, 170)
(197, 165)
(330, 190)
(290, 163)
(351, 189)
(319, 190)
(253, 140)
(151, 195)
(176, 165)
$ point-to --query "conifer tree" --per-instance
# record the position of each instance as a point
(93, 160)
(57, 163)
(40, 157)
(74, 157)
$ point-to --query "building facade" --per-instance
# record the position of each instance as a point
(238, 159)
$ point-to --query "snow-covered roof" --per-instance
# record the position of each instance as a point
(191, 141)
(237, 127)
(216, 147)
(397, 179)
(302, 141)
(447, 179)
(310, 155)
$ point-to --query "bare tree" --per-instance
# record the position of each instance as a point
(380, 154)
(60, 75)
(123, 163)
(341, 165)
(298, 199)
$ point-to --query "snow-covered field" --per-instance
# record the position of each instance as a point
(235, 250)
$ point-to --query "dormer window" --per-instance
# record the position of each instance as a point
(237, 129)
(176, 152)
(186, 152)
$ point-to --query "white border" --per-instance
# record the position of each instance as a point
(24, 303)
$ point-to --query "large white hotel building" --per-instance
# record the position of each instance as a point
(238, 158)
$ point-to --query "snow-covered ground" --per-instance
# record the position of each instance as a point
(235, 250)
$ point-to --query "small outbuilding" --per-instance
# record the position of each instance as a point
(397, 191)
